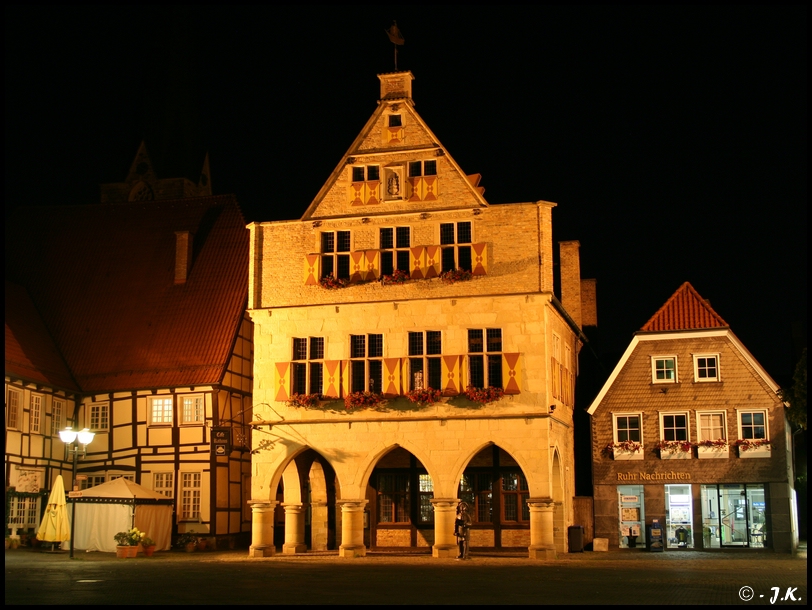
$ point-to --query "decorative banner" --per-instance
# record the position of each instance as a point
(331, 383)
(311, 270)
(511, 373)
(391, 377)
(282, 381)
(480, 262)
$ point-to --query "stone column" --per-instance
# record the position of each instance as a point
(445, 511)
(318, 525)
(262, 528)
(352, 528)
(294, 529)
(542, 542)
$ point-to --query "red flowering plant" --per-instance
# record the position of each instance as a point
(456, 275)
(630, 446)
(483, 395)
(745, 444)
(332, 282)
(424, 396)
(303, 400)
(398, 277)
(363, 400)
(719, 443)
(674, 446)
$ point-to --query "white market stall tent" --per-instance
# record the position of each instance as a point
(106, 509)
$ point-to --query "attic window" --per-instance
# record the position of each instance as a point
(423, 168)
(368, 173)
(395, 120)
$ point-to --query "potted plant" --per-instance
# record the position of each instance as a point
(483, 395)
(625, 450)
(712, 449)
(424, 396)
(122, 540)
(188, 541)
(753, 447)
(148, 544)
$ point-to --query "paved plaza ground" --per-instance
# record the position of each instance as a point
(229, 577)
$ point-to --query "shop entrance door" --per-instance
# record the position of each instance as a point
(679, 516)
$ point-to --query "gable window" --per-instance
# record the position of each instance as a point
(395, 120)
(366, 173)
(161, 410)
(394, 246)
(455, 242)
(664, 369)
(99, 416)
(485, 357)
(57, 416)
(193, 409)
(13, 408)
(307, 372)
(366, 363)
(335, 254)
(35, 413)
(365, 186)
(423, 168)
(674, 426)
(425, 367)
(164, 483)
(627, 427)
(706, 367)
(190, 496)
(753, 425)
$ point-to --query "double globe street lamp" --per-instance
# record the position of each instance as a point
(76, 445)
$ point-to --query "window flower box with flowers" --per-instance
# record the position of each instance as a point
(331, 282)
(363, 400)
(483, 396)
(398, 277)
(753, 447)
(424, 396)
(456, 275)
(625, 450)
(712, 450)
(305, 401)
(674, 450)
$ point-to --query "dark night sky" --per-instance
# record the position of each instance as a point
(673, 139)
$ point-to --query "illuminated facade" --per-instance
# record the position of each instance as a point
(398, 289)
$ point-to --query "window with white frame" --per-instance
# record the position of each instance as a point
(712, 426)
(57, 416)
(335, 254)
(706, 367)
(628, 427)
(190, 496)
(425, 367)
(366, 363)
(307, 373)
(117, 475)
(92, 480)
(99, 416)
(664, 369)
(23, 511)
(35, 414)
(485, 357)
(455, 241)
(394, 245)
(193, 409)
(753, 425)
(164, 483)
(674, 426)
(13, 400)
(160, 408)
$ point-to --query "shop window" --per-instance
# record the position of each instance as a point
(193, 409)
(734, 515)
(335, 254)
(35, 414)
(160, 408)
(394, 245)
(485, 357)
(13, 409)
(57, 416)
(425, 366)
(706, 367)
(455, 242)
(674, 426)
(664, 369)
(679, 517)
(99, 416)
(632, 515)
(366, 363)
(164, 483)
(307, 374)
(190, 496)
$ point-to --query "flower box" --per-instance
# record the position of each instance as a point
(619, 453)
(483, 395)
(712, 451)
(424, 396)
(674, 450)
(760, 448)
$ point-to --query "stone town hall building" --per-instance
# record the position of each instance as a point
(353, 298)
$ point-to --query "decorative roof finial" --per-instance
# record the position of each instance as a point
(397, 39)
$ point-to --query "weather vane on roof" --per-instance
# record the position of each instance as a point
(397, 39)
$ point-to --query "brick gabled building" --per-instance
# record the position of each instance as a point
(689, 430)
(129, 319)
(398, 289)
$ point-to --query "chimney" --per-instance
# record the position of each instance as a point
(589, 302)
(571, 278)
(183, 255)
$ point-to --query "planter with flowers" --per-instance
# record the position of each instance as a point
(753, 447)
(127, 543)
(187, 542)
(424, 396)
(456, 275)
(363, 400)
(148, 546)
(483, 396)
(674, 450)
(711, 450)
(398, 277)
(306, 401)
(625, 450)
(331, 282)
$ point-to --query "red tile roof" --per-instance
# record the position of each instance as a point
(685, 310)
(30, 351)
(102, 277)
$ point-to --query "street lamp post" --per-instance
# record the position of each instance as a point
(73, 440)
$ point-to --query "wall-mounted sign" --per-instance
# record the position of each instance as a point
(654, 476)
(221, 440)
